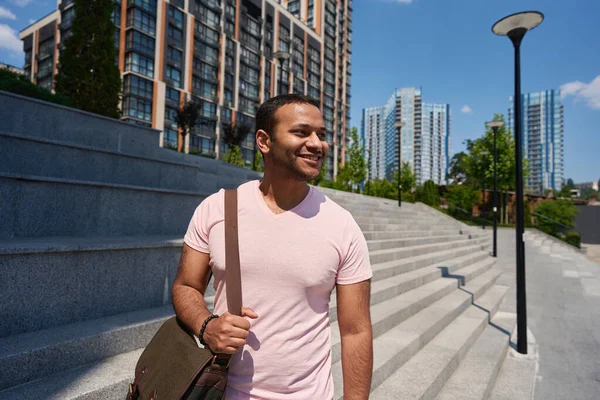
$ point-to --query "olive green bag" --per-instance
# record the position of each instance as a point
(172, 366)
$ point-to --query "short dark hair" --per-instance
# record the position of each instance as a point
(265, 116)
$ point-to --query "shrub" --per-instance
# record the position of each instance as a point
(15, 83)
(574, 238)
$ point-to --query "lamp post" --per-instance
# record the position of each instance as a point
(398, 125)
(281, 56)
(483, 154)
(495, 125)
(515, 26)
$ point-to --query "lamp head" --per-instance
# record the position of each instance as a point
(494, 124)
(523, 21)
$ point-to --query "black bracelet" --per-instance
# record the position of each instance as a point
(206, 321)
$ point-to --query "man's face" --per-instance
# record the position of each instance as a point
(298, 145)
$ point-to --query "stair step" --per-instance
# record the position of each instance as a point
(379, 235)
(106, 380)
(477, 373)
(396, 267)
(397, 292)
(386, 244)
(423, 376)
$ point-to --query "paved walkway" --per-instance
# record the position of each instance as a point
(593, 251)
(563, 300)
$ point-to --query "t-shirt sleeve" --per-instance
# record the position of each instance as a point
(206, 215)
(355, 266)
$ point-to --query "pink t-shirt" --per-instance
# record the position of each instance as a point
(290, 263)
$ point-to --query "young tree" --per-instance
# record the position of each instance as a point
(570, 183)
(457, 169)
(233, 136)
(357, 164)
(186, 118)
(461, 199)
(258, 164)
(558, 215)
(407, 178)
(88, 74)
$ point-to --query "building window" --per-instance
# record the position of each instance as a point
(176, 34)
(171, 115)
(249, 74)
(208, 110)
(207, 16)
(139, 42)
(45, 83)
(229, 28)
(228, 98)
(177, 16)
(174, 56)
(294, 7)
(206, 71)
(225, 114)
(246, 105)
(206, 34)
(207, 53)
(46, 47)
(201, 145)
(139, 86)
(172, 94)
(170, 138)
(137, 108)
(140, 64)
(249, 57)
(248, 90)
(204, 89)
(142, 21)
(148, 5)
(175, 75)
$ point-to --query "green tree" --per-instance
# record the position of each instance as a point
(457, 171)
(233, 136)
(565, 192)
(321, 178)
(258, 164)
(429, 193)
(186, 118)
(570, 183)
(88, 74)
(559, 215)
(479, 162)
(357, 164)
(461, 199)
(407, 178)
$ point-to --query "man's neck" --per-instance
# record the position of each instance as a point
(282, 194)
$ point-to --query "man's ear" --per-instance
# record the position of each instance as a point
(263, 141)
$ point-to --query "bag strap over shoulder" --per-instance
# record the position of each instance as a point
(233, 277)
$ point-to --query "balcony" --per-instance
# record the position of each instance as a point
(66, 24)
(213, 5)
(42, 56)
(46, 72)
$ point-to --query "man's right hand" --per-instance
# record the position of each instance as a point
(226, 334)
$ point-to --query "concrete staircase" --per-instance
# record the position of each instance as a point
(87, 261)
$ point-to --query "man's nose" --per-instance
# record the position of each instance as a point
(314, 141)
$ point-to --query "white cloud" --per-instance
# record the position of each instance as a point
(588, 92)
(403, 1)
(6, 13)
(31, 21)
(9, 39)
(20, 3)
(466, 109)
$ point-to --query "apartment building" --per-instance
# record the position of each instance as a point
(227, 55)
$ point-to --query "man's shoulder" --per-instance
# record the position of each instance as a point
(330, 207)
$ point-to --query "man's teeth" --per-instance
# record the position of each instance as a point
(313, 158)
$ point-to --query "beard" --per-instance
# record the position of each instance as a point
(286, 163)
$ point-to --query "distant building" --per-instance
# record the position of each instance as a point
(12, 68)
(543, 139)
(425, 142)
(220, 54)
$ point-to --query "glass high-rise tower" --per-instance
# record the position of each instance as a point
(425, 142)
(543, 139)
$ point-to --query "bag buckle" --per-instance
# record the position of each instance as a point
(214, 361)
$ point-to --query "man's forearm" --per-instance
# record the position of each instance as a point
(190, 307)
(357, 364)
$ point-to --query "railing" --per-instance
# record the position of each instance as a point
(557, 229)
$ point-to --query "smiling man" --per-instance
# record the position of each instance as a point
(296, 247)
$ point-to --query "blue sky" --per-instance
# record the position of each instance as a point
(447, 48)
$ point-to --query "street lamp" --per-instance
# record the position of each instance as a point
(282, 56)
(515, 26)
(483, 154)
(398, 125)
(495, 125)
